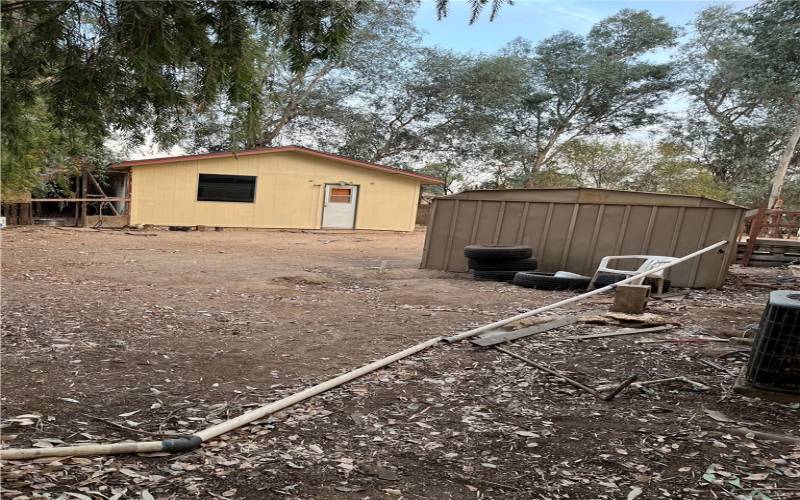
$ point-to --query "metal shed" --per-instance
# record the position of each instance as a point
(572, 229)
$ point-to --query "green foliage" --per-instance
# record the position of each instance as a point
(140, 67)
(602, 165)
(740, 70)
(662, 168)
(447, 171)
(671, 171)
(476, 7)
(42, 149)
(289, 102)
(112, 64)
(577, 86)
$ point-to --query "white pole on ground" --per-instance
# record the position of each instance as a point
(216, 430)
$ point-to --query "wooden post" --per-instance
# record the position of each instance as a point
(752, 237)
(84, 191)
(27, 213)
(77, 205)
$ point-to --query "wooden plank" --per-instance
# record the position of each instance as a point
(84, 192)
(627, 331)
(498, 337)
(752, 238)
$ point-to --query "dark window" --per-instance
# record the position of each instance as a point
(212, 187)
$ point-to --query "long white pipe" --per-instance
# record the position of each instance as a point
(191, 442)
(502, 322)
(194, 441)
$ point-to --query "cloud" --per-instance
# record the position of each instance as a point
(574, 12)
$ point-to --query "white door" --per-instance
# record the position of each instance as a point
(339, 209)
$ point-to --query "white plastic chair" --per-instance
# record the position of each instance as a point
(650, 262)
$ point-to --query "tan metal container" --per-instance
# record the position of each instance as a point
(572, 229)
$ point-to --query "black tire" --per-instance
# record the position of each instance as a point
(528, 264)
(546, 281)
(497, 252)
(608, 279)
(506, 276)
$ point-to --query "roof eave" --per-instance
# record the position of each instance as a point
(321, 154)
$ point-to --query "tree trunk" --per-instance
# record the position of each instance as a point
(536, 165)
(783, 166)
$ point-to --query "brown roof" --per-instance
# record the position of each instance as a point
(279, 149)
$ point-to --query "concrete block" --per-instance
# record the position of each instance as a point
(631, 299)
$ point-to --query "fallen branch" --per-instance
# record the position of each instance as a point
(571, 381)
(717, 367)
(696, 340)
(696, 385)
(123, 427)
(627, 331)
(767, 436)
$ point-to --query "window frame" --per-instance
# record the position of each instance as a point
(254, 188)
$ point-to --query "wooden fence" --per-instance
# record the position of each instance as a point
(772, 237)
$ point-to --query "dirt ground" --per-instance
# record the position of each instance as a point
(108, 336)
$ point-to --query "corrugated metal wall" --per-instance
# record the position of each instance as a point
(575, 234)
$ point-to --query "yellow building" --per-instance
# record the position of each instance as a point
(281, 187)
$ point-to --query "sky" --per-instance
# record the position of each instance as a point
(535, 20)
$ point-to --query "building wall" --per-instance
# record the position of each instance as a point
(289, 193)
(575, 236)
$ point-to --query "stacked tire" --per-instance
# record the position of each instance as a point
(499, 262)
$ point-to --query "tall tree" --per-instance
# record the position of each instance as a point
(775, 29)
(739, 70)
(135, 66)
(587, 85)
(287, 100)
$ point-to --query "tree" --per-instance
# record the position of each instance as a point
(580, 86)
(432, 108)
(739, 71)
(775, 30)
(448, 172)
(43, 149)
(667, 168)
(601, 165)
(135, 66)
(288, 100)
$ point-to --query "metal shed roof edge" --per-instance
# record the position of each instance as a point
(711, 201)
(278, 149)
